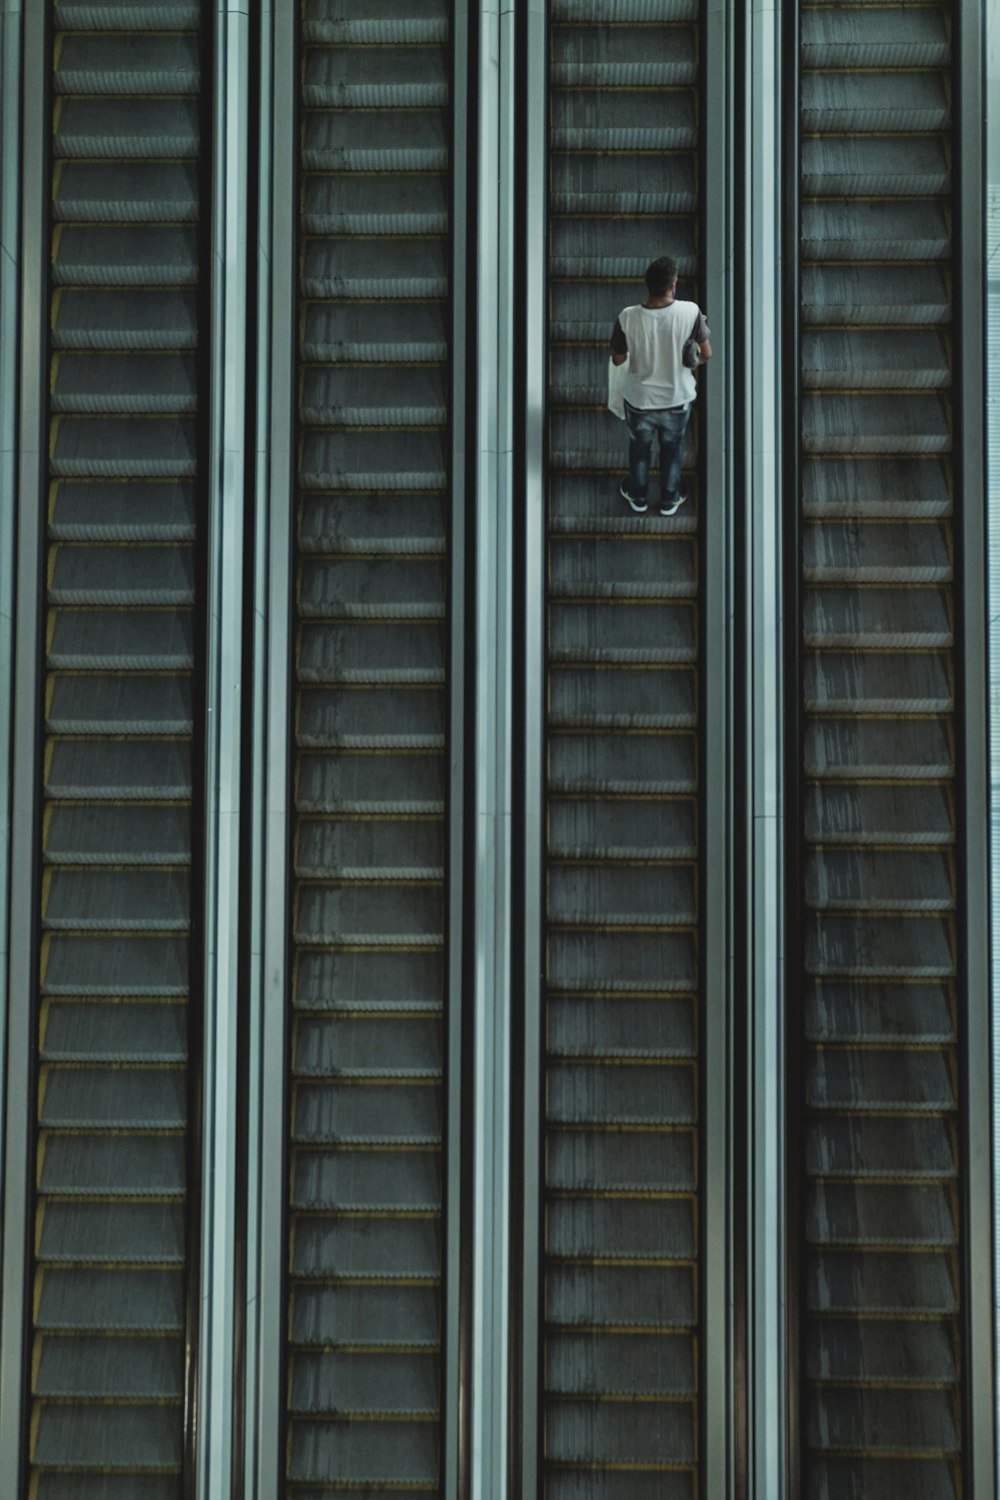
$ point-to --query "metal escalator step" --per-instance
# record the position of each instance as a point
(880, 1282)
(896, 359)
(126, 192)
(118, 769)
(593, 247)
(628, 1484)
(845, 295)
(884, 1421)
(122, 512)
(593, 119)
(367, 1047)
(359, 1114)
(639, 1161)
(381, 203)
(119, 128)
(874, 99)
(590, 504)
(123, 448)
(854, 748)
(360, 21)
(380, 460)
(578, 439)
(103, 1368)
(400, 333)
(890, 946)
(112, 1233)
(623, 1229)
(870, 165)
(351, 849)
(386, 525)
(375, 140)
(116, 965)
(121, 577)
(623, 830)
(623, 764)
(119, 1166)
(376, 588)
(367, 1384)
(399, 654)
(124, 255)
(373, 1316)
(372, 719)
(622, 1093)
(119, 900)
(589, 1026)
(885, 880)
(120, 320)
(97, 1300)
(930, 1478)
(661, 1297)
(866, 1012)
(120, 62)
(127, 703)
(873, 1214)
(113, 15)
(374, 396)
(622, 56)
(878, 682)
(120, 834)
(599, 568)
(350, 268)
(875, 229)
(354, 1181)
(106, 640)
(107, 1436)
(917, 618)
(639, 896)
(879, 552)
(889, 36)
(876, 813)
(638, 1434)
(390, 78)
(848, 423)
(375, 915)
(371, 784)
(622, 633)
(623, 698)
(344, 1453)
(874, 487)
(80, 1098)
(376, 1247)
(588, 184)
(910, 1079)
(150, 384)
(53, 1485)
(870, 1146)
(369, 980)
(584, 12)
(87, 1032)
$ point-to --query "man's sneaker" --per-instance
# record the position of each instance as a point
(639, 506)
(671, 507)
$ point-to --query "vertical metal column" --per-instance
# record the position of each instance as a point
(970, 443)
(223, 749)
(271, 751)
(493, 748)
(992, 246)
(22, 964)
(767, 1362)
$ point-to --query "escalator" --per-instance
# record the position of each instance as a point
(109, 1303)
(882, 1340)
(621, 1249)
(366, 1056)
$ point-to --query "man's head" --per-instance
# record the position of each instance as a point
(661, 276)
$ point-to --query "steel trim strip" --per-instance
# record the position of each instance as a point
(223, 752)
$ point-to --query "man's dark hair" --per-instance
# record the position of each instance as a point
(661, 275)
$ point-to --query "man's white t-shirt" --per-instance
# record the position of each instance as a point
(657, 376)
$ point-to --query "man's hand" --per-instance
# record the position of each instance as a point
(618, 359)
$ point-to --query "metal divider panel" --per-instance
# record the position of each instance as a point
(109, 1302)
(621, 1247)
(882, 1344)
(365, 1189)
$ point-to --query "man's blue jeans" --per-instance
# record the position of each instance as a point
(669, 424)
